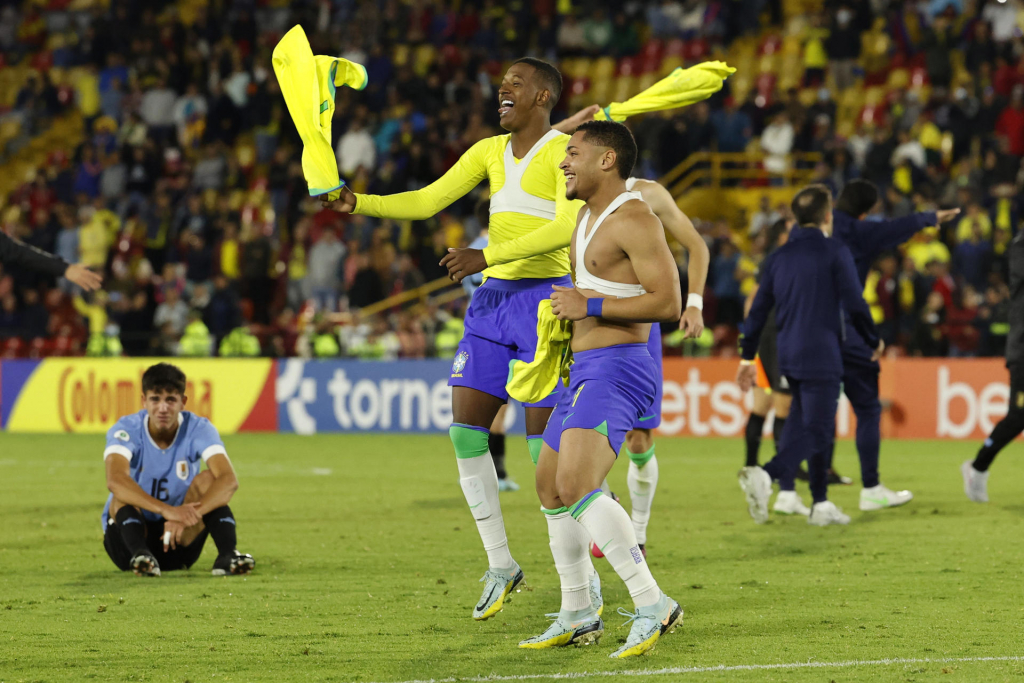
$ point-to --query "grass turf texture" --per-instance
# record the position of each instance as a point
(367, 568)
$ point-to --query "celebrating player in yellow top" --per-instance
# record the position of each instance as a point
(528, 202)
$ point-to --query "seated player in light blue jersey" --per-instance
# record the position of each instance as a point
(625, 279)
(161, 507)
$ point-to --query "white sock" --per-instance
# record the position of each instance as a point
(642, 482)
(610, 527)
(479, 483)
(569, 543)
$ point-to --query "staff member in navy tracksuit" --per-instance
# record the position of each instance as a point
(809, 281)
(867, 240)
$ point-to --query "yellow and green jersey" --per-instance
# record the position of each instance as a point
(531, 220)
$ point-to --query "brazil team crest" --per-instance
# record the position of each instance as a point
(460, 362)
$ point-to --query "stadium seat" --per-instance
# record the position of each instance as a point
(627, 66)
(603, 68)
(669, 64)
(696, 50)
(653, 50)
(675, 48)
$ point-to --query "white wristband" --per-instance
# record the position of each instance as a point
(695, 301)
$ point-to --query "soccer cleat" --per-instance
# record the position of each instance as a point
(567, 630)
(497, 586)
(836, 479)
(757, 486)
(596, 597)
(507, 484)
(649, 624)
(878, 497)
(975, 482)
(144, 564)
(789, 503)
(826, 513)
(233, 564)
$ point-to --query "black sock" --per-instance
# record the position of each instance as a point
(780, 422)
(496, 444)
(133, 529)
(1005, 432)
(755, 427)
(221, 525)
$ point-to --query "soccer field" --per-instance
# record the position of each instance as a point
(367, 568)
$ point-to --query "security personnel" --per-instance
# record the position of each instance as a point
(196, 341)
(808, 281)
(976, 473)
(240, 343)
(866, 241)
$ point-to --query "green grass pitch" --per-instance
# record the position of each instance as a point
(367, 568)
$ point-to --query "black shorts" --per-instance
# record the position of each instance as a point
(768, 353)
(176, 558)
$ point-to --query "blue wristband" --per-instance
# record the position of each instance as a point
(594, 307)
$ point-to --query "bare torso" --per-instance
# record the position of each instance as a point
(607, 260)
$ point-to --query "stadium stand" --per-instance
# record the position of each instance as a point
(150, 141)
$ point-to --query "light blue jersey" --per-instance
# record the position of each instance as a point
(475, 280)
(167, 473)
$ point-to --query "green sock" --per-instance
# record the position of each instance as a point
(534, 443)
(469, 442)
(640, 459)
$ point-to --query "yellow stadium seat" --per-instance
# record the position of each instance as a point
(603, 67)
(423, 58)
(670, 63)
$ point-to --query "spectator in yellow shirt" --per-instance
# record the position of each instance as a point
(926, 248)
(975, 215)
(229, 249)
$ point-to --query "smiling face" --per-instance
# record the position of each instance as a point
(583, 166)
(520, 97)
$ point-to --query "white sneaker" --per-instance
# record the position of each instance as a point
(757, 486)
(823, 514)
(878, 497)
(975, 482)
(789, 503)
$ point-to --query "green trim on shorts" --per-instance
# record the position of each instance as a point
(535, 443)
(556, 511)
(602, 428)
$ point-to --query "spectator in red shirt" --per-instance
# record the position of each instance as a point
(1011, 122)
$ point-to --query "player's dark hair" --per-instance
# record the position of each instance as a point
(857, 197)
(549, 76)
(773, 234)
(615, 136)
(163, 377)
(812, 205)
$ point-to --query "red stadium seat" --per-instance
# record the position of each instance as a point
(12, 348)
(627, 67)
(580, 86)
(675, 48)
(696, 50)
(918, 77)
(653, 50)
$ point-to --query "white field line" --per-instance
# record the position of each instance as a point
(676, 670)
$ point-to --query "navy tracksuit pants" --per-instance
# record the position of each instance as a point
(860, 384)
(809, 432)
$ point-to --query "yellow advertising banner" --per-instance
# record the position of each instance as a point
(87, 395)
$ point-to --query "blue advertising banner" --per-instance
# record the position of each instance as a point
(316, 396)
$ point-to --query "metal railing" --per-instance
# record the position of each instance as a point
(420, 295)
(710, 169)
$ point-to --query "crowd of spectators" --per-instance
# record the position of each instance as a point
(187, 189)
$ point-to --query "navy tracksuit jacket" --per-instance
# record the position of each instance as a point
(867, 240)
(810, 281)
